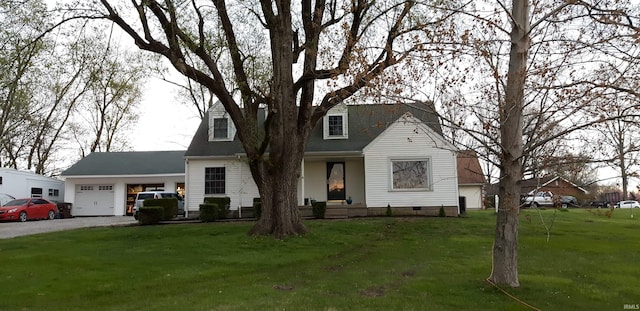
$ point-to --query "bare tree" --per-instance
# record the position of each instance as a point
(579, 169)
(109, 109)
(618, 146)
(47, 73)
(541, 81)
(18, 51)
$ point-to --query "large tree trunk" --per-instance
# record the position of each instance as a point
(277, 173)
(277, 176)
(505, 247)
(278, 183)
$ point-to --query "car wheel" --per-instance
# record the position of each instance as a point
(535, 204)
(52, 215)
(23, 216)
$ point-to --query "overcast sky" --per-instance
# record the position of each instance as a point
(164, 123)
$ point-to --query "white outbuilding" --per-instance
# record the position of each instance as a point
(26, 184)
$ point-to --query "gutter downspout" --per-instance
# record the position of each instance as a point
(186, 188)
(240, 192)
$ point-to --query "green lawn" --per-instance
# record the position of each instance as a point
(590, 263)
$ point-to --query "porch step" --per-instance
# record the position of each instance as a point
(337, 211)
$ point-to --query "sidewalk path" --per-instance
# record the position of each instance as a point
(13, 229)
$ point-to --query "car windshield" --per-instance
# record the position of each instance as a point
(18, 202)
(170, 195)
(144, 196)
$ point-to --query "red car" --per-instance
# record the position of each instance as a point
(24, 209)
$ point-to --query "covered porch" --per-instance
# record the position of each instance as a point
(337, 180)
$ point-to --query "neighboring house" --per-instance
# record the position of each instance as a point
(471, 179)
(25, 184)
(377, 155)
(556, 184)
(105, 183)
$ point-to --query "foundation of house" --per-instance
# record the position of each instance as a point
(338, 211)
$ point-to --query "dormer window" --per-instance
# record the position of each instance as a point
(335, 126)
(220, 128)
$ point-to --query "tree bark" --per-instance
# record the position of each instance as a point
(505, 247)
(622, 154)
(278, 184)
(277, 173)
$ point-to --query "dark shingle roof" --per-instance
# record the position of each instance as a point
(365, 123)
(128, 163)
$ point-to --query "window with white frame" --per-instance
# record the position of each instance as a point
(54, 192)
(214, 180)
(410, 174)
(335, 126)
(220, 128)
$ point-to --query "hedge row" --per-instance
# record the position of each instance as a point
(153, 211)
(214, 209)
(149, 215)
(170, 206)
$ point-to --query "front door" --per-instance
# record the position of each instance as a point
(335, 181)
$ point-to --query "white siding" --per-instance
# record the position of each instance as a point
(407, 139)
(239, 184)
(354, 180)
(315, 180)
(19, 183)
(473, 195)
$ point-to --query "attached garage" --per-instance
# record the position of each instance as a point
(105, 183)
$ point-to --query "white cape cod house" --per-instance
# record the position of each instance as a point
(362, 158)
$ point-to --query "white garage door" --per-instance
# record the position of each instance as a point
(93, 200)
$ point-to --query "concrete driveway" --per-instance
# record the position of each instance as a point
(13, 229)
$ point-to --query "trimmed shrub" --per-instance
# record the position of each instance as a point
(170, 206)
(257, 208)
(209, 212)
(318, 209)
(222, 203)
(441, 212)
(149, 215)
